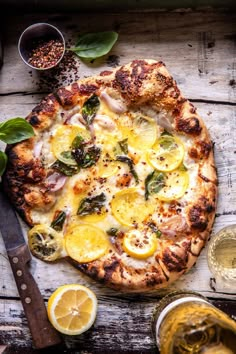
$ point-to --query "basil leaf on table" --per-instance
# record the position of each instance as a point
(15, 130)
(3, 162)
(94, 45)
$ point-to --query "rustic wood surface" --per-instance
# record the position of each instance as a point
(199, 49)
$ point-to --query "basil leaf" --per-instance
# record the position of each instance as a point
(123, 144)
(59, 219)
(165, 132)
(95, 45)
(3, 162)
(130, 163)
(67, 170)
(67, 158)
(15, 130)
(154, 182)
(91, 205)
(86, 157)
(112, 231)
(77, 142)
(90, 109)
(155, 229)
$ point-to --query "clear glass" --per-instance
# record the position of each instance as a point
(221, 257)
(186, 323)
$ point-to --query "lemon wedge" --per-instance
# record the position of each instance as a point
(62, 140)
(72, 309)
(85, 242)
(141, 131)
(166, 154)
(139, 244)
(129, 207)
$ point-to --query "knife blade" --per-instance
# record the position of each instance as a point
(43, 333)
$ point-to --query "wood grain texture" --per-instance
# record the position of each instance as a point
(199, 50)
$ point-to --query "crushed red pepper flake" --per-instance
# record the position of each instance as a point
(46, 54)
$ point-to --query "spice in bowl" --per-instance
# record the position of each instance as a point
(41, 46)
(46, 54)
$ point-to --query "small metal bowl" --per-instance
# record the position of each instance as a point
(35, 33)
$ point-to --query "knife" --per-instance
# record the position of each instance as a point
(43, 333)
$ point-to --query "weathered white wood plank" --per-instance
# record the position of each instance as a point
(198, 49)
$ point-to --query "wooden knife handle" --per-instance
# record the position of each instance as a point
(43, 333)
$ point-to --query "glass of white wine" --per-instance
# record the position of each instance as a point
(221, 257)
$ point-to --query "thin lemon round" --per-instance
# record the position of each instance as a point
(139, 245)
(106, 164)
(45, 243)
(130, 208)
(141, 131)
(72, 309)
(166, 154)
(176, 184)
(62, 140)
(85, 242)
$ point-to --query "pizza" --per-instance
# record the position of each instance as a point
(119, 178)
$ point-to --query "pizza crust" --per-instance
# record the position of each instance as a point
(145, 84)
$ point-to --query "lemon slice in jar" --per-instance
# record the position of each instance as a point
(85, 242)
(72, 309)
(166, 154)
(130, 208)
(63, 139)
(141, 131)
(139, 244)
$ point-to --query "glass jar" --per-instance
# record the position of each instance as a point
(187, 323)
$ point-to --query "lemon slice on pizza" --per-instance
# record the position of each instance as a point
(166, 154)
(129, 207)
(139, 244)
(141, 131)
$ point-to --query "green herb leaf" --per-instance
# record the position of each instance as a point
(67, 158)
(15, 130)
(91, 205)
(154, 182)
(155, 229)
(112, 231)
(77, 142)
(130, 163)
(165, 132)
(182, 167)
(86, 157)
(3, 162)
(90, 109)
(67, 170)
(95, 45)
(123, 144)
(59, 219)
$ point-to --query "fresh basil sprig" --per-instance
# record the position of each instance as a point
(13, 131)
(91, 205)
(90, 109)
(94, 45)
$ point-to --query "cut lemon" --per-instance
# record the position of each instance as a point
(176, 184)
(45, 243)
(85, 243)
(166, 154)
(139, 244)
(62, 140)
(141, 131)
(72, 309)
(129, 207)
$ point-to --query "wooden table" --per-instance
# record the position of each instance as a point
(199, 49)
